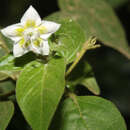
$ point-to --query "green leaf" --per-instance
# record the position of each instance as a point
(8, 67)
(6, 112)
(87, 113)
(8, 63)
(91, 84)
(97, 18)
(39, 90)
(83, 74)
(11, 66)
(70, 38)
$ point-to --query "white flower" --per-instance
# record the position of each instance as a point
(31, 34)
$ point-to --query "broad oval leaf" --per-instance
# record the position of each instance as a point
(97, 18)
(39, 89)
(6, 112)
(70, 38)
(87, 113)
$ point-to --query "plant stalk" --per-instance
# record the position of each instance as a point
(90, 44)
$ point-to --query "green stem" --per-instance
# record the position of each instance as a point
(90, 44)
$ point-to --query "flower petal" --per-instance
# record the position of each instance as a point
(46, 36)
(18, 50)
(35, 47)
(51, 27)
(32, 15)
(45, 48)
(10, 32)
(15, 39)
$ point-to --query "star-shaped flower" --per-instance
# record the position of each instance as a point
(31, 34)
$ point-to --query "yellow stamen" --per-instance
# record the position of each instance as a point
(19, 31)
(37, 42)
(42, 29)
(27, 43)
(39, 39)
(29, 23)
(22, 42)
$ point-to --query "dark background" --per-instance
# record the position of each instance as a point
(112, 70)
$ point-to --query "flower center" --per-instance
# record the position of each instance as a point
(30, 33)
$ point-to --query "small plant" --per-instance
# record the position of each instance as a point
(47, 64)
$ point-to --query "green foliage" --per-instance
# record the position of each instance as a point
(84, 77)
(41, 82)
(7, 63)
(8, 67)
(91, 15)
(39, 89)
(11, 66)
(91, 84)
(87, 113)
(6, 112)
(69, 39)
